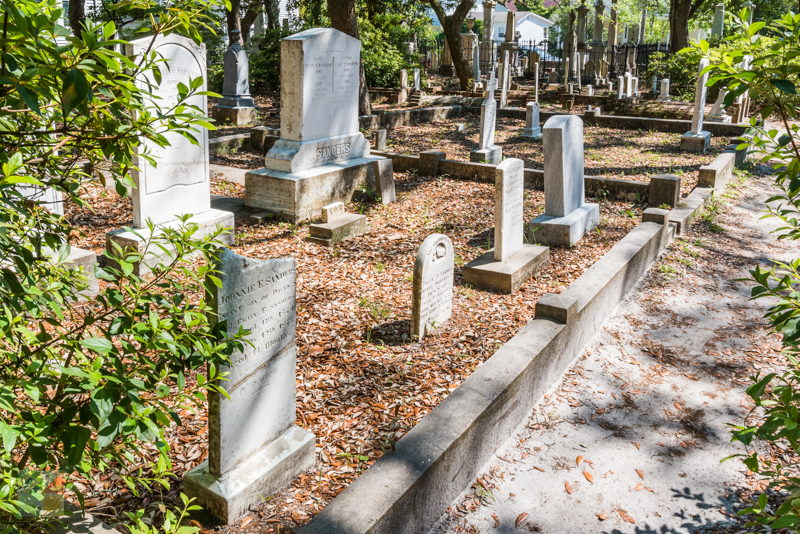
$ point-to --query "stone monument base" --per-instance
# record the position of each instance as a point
(564, 231)
(532, 133)
(238, 116)
(273, 467)
(696, 143)
(725, 119)
(343, 227)
(137, 238)
(493, 155)
(300, 196)
(505, 276)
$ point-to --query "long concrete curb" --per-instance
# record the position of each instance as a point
(408, 489)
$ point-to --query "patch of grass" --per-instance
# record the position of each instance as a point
(377, 309)
(379, 266)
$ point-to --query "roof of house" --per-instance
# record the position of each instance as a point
(500, 17)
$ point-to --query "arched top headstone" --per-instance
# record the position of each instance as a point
(433, 285)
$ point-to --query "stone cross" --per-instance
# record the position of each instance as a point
(700, 97)
(254, 446)
(432, 300)
(532, 129)
(509, 186)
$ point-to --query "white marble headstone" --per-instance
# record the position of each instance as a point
(488, 114)
(179, 184)
(509, 183)
(563, 164)
(258, 295)
(432, 302)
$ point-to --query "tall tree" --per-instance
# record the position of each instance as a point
(77, 17)
(680, 12)
(451, 25)
(343, 18)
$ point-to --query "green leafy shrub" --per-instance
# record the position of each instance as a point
(681, 69)
(89, 388)
(265, 62)
(774, 77)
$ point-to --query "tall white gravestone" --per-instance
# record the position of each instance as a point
(506, 267)
(698, 140)
(179, 183)
(488, 151)
(532, 129)
(664, 93)
(567, 216)
(321, 157)
(255, 448)
(432, 299)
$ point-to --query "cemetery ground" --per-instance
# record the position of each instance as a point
(631, 438)
(634, 155)
(362, 383)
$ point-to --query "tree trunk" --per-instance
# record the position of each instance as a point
(343, 18)
(452, 32)
(679, 13)
(247, 21)
(234, 22)
(77, 17)
(272, 14)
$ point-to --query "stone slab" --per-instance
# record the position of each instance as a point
(559, 308)
(238, 116)
(272, 468)
(719, 172)
(432, 296)
(85, 261)
(343, 227)
(505, 276)
(696, 143)
(564, 231)
(300, 196)
(493, 155)
(137, 238)
(289, 155)
(665, 189)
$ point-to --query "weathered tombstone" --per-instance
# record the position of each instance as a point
(180, 183)
(590, 90)
(379, 137)
(635, 85)
(698, 140)
(552, 77)
(718, 26)
(488, 151)
(664, 94)
(402, 95)
(654, 85)
(570, 88)
(620, 88)
(236, 106)
(506, 267)
(432, 300)
(321, 157)
(417, 80)
(629, 91)
(567, 216)
(434, 62)
(337, 225)
(532, 129)
(476, 63)
(255, 448)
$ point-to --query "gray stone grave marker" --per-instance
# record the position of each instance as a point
(488, 151)
(432, 301)
(254, 446)
(698, 140)
(532, 129)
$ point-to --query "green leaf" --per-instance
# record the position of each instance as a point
(8, 435)
(30, 99)
(75, 89)
(784, 85)
(99, 345)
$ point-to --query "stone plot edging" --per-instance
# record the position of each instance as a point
(433, 163)
(230, 142)
(408, 489)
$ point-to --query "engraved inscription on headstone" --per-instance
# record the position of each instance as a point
(258, 295)
(433, 285)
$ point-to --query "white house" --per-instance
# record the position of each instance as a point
(531, 27)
